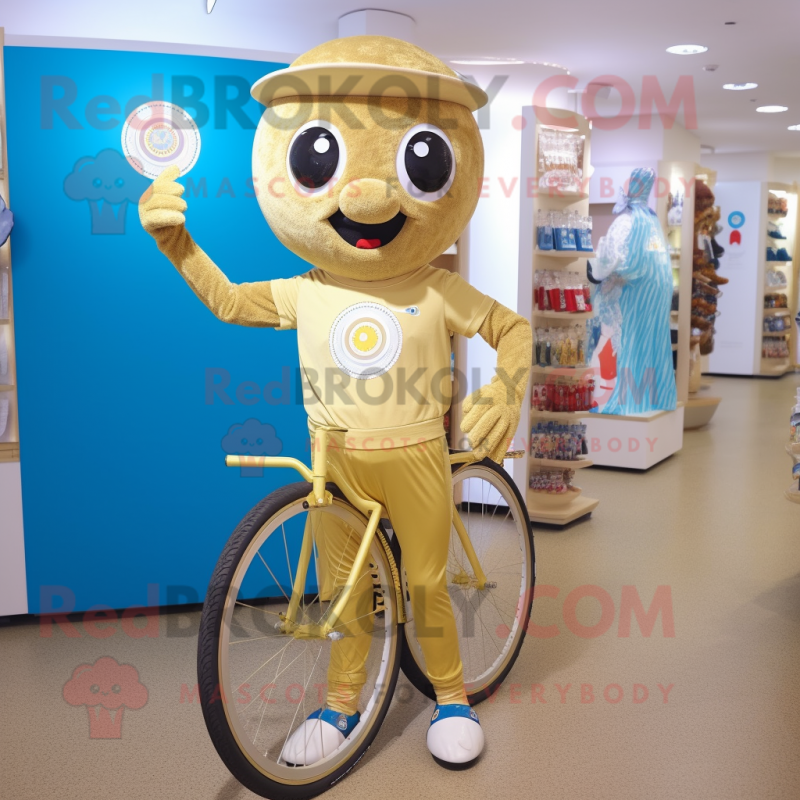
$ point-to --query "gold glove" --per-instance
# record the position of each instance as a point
(491, 414)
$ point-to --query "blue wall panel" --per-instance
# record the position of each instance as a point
(123, 478)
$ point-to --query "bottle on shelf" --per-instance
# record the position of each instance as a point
(583, 234)
(544, 230)
(580, 299)
(560, 346)
(563, 232)
(587, 294)
(566, 292)
(564, 394)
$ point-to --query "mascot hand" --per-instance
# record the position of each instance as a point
(491, 416)
(161, 206)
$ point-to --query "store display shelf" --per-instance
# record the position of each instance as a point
(775, 366)
(777, 312)
(559, 194)
(565, 415)
(699, 410)
(567, 372)
(4, 321)
(553, 499)
(638, 440)
(572, 255)
(5, 387)
(568, 315)
(554, 463)
(568, 510)
(9, 451)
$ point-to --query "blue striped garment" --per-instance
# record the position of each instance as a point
(634, 300)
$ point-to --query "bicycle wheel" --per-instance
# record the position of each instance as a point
(258, 684)
(491, 622)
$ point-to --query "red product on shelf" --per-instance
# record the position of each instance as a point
(553, 293)
(569, 299)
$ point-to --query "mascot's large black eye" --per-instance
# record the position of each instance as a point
(313, 157)
(428, 161)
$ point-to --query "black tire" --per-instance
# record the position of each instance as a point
(411, 669)
(208, 672)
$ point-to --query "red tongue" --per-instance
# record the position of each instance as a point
(368, 244)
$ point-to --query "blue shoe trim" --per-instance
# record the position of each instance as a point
(341, 722)
(454, 710)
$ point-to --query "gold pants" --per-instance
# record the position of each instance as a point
(414, 486)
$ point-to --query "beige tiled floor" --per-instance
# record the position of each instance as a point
(710, 524)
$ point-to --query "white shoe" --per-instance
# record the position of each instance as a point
(319, 736)
(455, 735)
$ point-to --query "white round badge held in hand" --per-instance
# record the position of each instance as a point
(157, 135)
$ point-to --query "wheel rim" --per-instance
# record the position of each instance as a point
(270, 681)
(490, 622)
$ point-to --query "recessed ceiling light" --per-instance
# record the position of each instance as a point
(739, 87)
(772, 109)
(487, 61)
(687, 49)
(794, 128)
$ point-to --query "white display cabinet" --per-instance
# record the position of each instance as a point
(544, 507)
(743, 345)
(699, 408)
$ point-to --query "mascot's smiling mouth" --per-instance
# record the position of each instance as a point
(363, 236)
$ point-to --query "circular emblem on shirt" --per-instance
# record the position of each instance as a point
(158, 134)
(341, 722)
(366, 340)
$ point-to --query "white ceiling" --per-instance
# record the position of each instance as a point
(590, 38)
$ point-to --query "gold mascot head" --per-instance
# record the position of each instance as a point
(367, 161)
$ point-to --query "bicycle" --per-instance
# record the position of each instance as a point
(267, 636)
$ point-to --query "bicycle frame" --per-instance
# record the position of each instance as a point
(320, 497)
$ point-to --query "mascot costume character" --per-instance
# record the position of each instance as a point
(372, 187)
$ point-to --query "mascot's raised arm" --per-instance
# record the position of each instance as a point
(368, 187)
